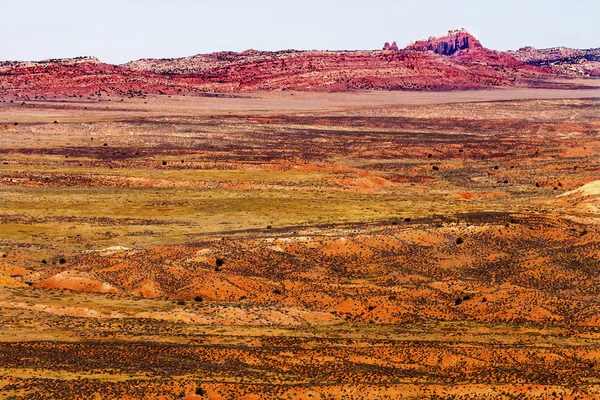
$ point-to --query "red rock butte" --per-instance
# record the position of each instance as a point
(449, 44)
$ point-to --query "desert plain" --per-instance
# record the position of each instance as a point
(290, 245)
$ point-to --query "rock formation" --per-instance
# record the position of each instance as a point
(568, 61)
(455, 61)
(387, 46)
(449, 44)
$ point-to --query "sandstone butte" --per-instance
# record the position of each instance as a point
(454, 61)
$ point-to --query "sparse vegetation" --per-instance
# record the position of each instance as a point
(200, 391)
(319, 278)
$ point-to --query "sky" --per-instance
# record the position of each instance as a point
(117, 31)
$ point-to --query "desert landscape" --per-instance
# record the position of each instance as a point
(413, 223)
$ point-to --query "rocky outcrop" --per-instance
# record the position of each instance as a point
(392, 47)
(576, 62)
(44, 63)
(449, 44)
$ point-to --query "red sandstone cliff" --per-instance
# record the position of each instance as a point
(454, 61)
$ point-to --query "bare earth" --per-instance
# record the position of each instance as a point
(287, 245)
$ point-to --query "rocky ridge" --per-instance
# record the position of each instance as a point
(456, 61)
(577, 62)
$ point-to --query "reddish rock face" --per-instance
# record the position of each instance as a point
(387, 46)
(458, 61)
(448, 45)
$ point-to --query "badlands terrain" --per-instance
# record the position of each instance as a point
(301, 245)
(166, 235)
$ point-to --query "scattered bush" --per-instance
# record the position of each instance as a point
(458, 302)
(219, 262)
(435, 168)
(62, 260)
(460, 240)
(200, 391)
(198, 299)
(180, 302)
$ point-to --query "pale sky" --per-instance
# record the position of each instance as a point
(124, 30)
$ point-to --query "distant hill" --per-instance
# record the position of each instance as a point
(568, 61)
(455, 61)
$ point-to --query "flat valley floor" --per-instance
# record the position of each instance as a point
(376, 245)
